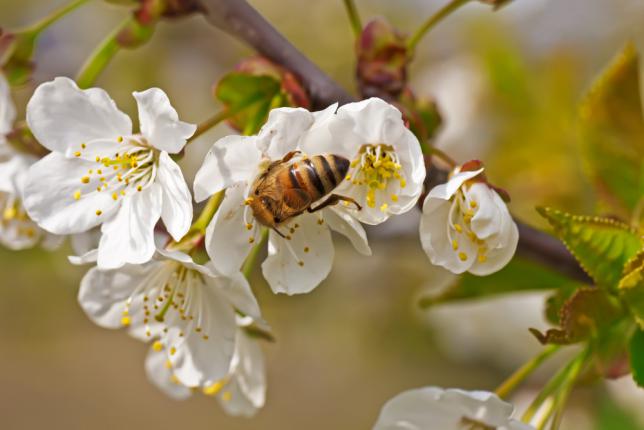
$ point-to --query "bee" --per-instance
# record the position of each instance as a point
(290, 186)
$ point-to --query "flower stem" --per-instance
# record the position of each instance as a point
(562, 396)
(249, 264)
(435, 152)
(55, 16)
(208, 212)
(510, 384)
(101, 56)
(206, 125)
(433, 21)
(561, 378)
(354, 17)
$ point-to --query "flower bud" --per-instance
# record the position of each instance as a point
(421, 114)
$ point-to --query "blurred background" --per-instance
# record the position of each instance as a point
(507, 83)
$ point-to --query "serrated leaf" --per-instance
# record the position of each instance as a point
(518, 275)
(612, 130)
(636, 353)
(250, 97)
(585, 314)
(602, 246)
(631, 286)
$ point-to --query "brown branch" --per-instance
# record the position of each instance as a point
(241, 20)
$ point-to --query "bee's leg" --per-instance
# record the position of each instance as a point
(333, 200)
(278, 232)
(290, 155)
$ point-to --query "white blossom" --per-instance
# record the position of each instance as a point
(186, 307)
(100, 173)
(17, 230)
(241, 392)
(296, 263)
(447, 409)
(466, 226)
(387, 167)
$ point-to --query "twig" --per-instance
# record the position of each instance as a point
(239, 19)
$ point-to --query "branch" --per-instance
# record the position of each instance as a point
(240, 20)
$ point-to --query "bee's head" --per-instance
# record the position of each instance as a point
(264, 210)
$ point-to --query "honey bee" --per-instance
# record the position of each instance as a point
(291, 185)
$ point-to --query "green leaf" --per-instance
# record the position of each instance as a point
(631, 286)
(636, 352)
(612, 131)
(601, 245)
(518, 275)
(611, 416)
(251, 97)
(585, 314)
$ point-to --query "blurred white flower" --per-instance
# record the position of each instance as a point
(450, 409)
(17, 230)
(466, 226)
(301, 257)
(100, 173)
(387, 167)
(188, 308)
(241, 392)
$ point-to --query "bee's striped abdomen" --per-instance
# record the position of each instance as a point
(319, 174)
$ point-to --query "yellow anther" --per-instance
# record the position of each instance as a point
(458, 228)
(384, 207)
(473, 204)
(205, 337)
(85, 179)
(83, 146)
(251, 239)
(119, 139)
(347, 178)
(77, 154)
(167, 364)
(482, 258)
(125, 321)
(77, 195)
(249, 226)
(454, 245)
(403, 183)
(99, 212)
(462, 256)
(9, 213)
(98, 159)
(306, 249)
(99, 171)
(394, 197)
(115, 196)
(320, 221)
(301, 263)
(157, 346)
(173, 350)
(139, 188)
(248, 201)
(215, 388)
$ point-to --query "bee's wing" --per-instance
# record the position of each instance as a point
(296, 199)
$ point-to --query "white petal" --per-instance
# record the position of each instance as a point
(195, 359)
(237, 290)
(375, 120)
(340, 221)
(489, 209)
(228, 240)
(160, 123)
(298, 265)
(7, 108)
(176, 209)
(85, 242)
(129, 236)
(61, 115)
(331, 135)
(231, 159)
(283, 130)
(104, 297)
(447, 190)
(162, 377)
(49, 196)
(13, 173)
(498, 257)
(413, 169)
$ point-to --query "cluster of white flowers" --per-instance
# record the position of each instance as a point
(100, 173)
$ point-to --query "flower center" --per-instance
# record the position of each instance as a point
(131, 169)
(14, 216)
(460, 222)
(171, 296)
(374, 167)
(217, 387)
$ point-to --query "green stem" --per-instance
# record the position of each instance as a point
(562, 396)
(101, 56)
(354, 17)
(510, 384)
(208, 212)
(553, 385)
(433, 21)
(435, 152)
(55, 16)
(211, 122)
(249, 264)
